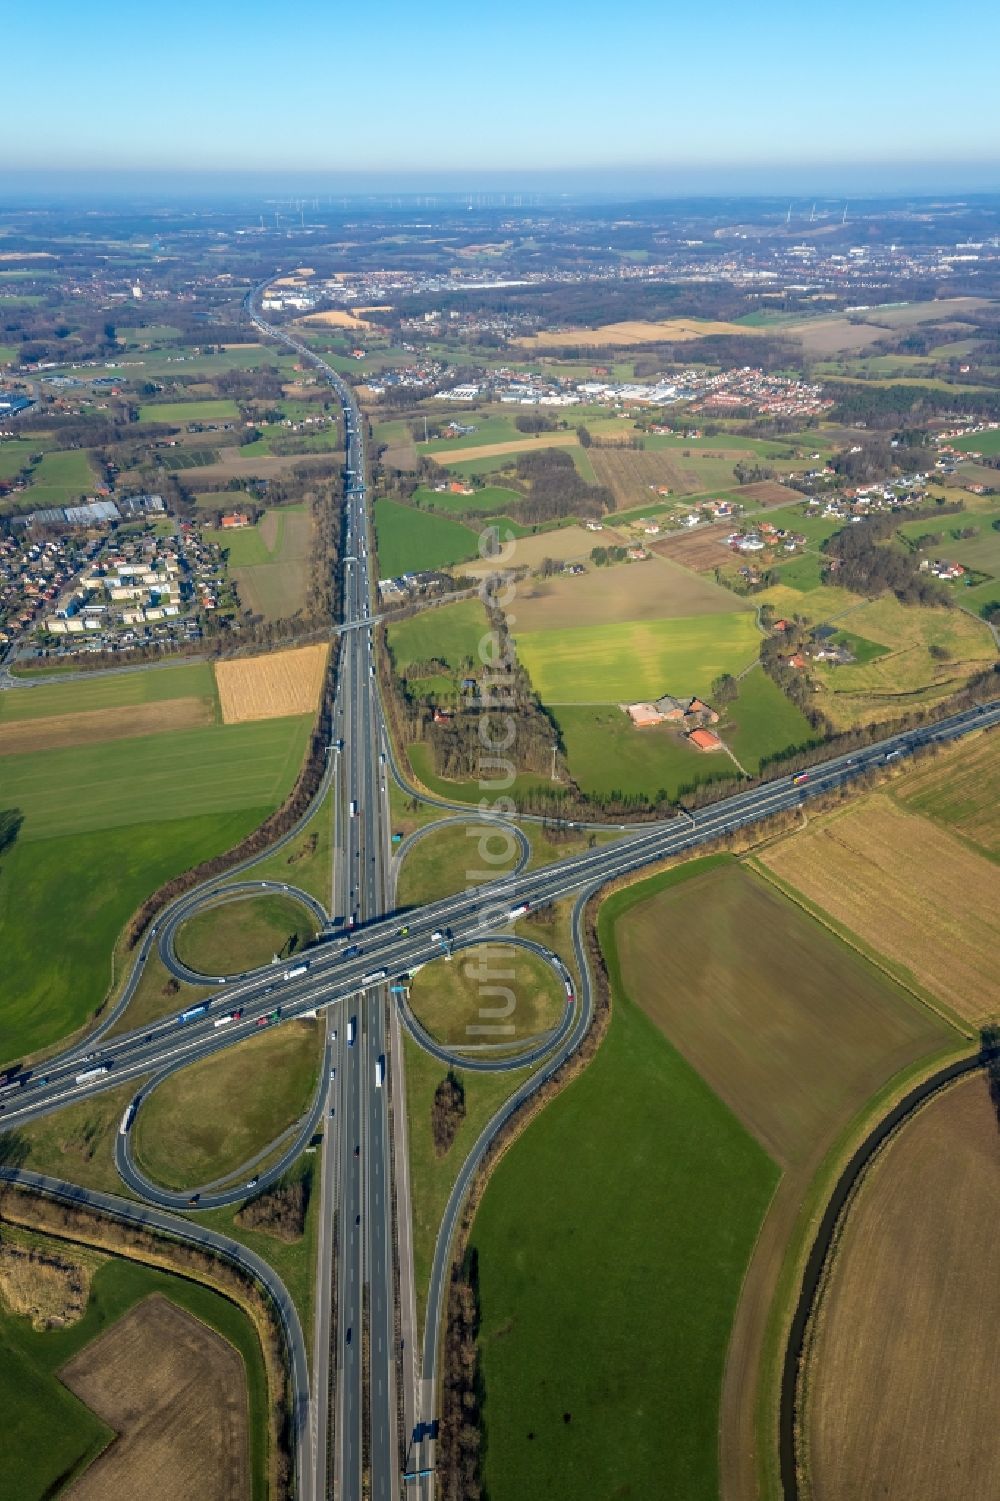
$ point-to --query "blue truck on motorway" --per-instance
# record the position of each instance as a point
(192, 1011)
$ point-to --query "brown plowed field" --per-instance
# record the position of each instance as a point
(175, 1393)
(629, 472)
(89, 726)
(701, 550)
(903, 1381)
(273, 686)
(767, 492)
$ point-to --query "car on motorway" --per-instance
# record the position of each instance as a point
(404, 933)
(253, 1183)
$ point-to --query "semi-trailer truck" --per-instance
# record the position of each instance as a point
(350, 1032)
(518, 911)
(128, 1118)
(374, 977)
(192, 1012)
(797, 781)
(295, 971)
(92, 1073)
(379, 1070)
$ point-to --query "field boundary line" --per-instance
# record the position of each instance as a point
(927, 1000)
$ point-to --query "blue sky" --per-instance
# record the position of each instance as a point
(726, 95)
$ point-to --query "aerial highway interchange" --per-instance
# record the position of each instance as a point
(365, 1419)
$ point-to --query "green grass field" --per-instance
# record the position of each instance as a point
(635, 1197)
(104, 825)
(107, 691)
(154, 778)
(15, 453)
(804, 572)
(637, 659)
(864, 651)
(63, 903)
(210, 1118)
(762, 722)
(242, 934)
(270, 561)
(986, 443)
(51, 1436)
(8, 354)
(608, 755)
(411, 540)
(491, 500)
(60, 478)
(181, 412)
(450, 634)
(497, 427)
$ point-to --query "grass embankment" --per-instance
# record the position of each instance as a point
(453, 858)
(432, 1175)
(491, 994)
(240, 934)
(210, 1118)
(49, 1435)
(306, 860)
(637, 1190)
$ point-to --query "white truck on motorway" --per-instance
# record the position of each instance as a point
(350, 1032)
(379, 1071)
(354, 809)
(374, 977)
(128, 1118)
(295, 971)
(92, 1073)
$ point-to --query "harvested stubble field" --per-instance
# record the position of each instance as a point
(790, 1026)
(768, 492)
(631, 332)
(902, 1382)
(909, 890)
(334, 318)
(175, 1393)
(497, 450)
(89, 726)
(701, 550)
(271, 687)
(961, 788)
(627, 591)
